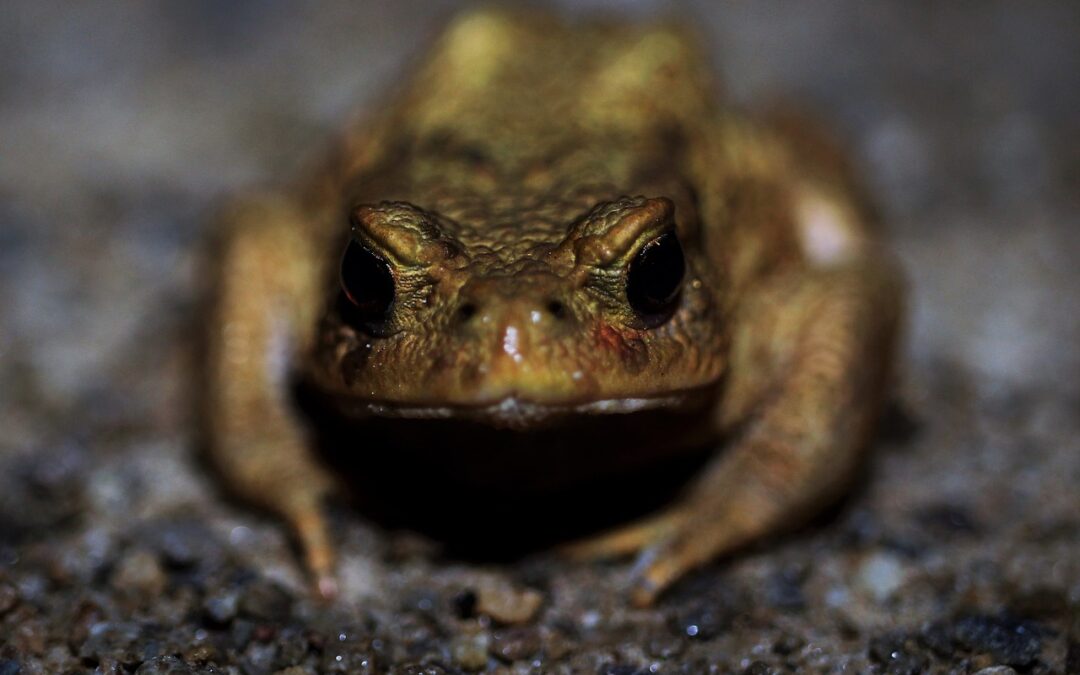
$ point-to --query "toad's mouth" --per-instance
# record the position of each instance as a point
(513, 443)
(522, 414)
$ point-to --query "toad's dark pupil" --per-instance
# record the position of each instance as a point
(655, 275)
(367, 282)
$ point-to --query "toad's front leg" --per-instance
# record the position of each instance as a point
(262, 314)
(822, 337)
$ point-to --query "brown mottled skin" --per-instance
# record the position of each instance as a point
(508, 186)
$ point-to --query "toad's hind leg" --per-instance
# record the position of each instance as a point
(810, 355)
(260, 316)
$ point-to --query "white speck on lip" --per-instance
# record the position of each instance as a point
(535, 316)
(510, 344)
(577, 375)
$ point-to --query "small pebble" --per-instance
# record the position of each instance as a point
(1010, 641)
(422, 600)
(349, 657)
(139, 574)
(470, 652)
(937, 638)
(783, 590)
(664, 646)
(996, 670)
(182, 543)
(81, 558)
(947, 520)
(241, 632)
(201, 654)
(221, 608)
(1039, 600)
(788, 644)
(164, 665)
(259, 657)
(880, 576)
(701, 620)
(515, 644)
(58, 659)
(423, 669)
(620, 669)
(507, 604)
(898, 654)
(9, 597)
(590, 619)
(112, 640)
(32, 587)
(293, 646)
(265, 601)
(556, 645)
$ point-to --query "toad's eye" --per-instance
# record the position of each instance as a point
(655, 276)
(367, 282)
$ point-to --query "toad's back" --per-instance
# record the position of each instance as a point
(518, 123)
(525, 87)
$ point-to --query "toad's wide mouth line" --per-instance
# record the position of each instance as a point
(522, 413)
(515, 406)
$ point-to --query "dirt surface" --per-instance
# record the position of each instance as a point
(122, 123)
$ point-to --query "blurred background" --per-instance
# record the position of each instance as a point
(123, 123)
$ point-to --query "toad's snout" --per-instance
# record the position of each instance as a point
(519, 328)
(532, 307)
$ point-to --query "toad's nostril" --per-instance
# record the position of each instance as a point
(467, 311)
(556, 309)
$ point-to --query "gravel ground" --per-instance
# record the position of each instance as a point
(121, 123)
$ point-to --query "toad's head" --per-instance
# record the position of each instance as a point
(611, 310)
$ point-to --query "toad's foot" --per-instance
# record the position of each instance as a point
(309, 525)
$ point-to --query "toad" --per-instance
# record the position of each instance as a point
(551, 224)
